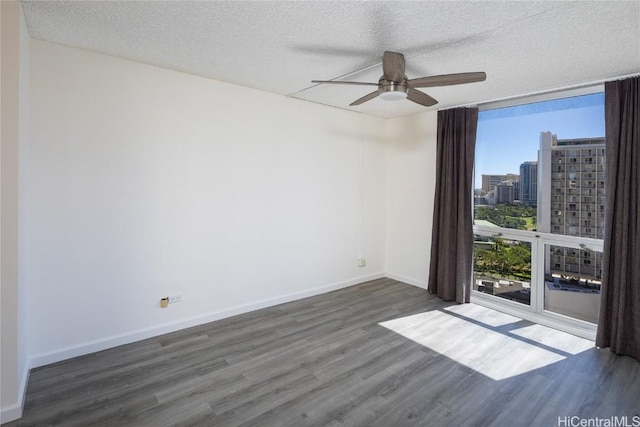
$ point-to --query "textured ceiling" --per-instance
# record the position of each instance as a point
(523, 46)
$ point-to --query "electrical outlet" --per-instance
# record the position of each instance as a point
(175, 298)
(361, 262)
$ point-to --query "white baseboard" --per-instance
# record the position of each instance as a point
(407, 280)
(10, 412)
(13, 411)
(141, 334)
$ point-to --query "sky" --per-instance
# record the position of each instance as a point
(509, 136)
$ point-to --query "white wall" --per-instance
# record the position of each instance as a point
(14, 359)
(145, 182)
(410, 191)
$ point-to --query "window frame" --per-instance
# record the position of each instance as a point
(535, 311)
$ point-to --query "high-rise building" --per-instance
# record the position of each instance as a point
(529, 183)
(516, 190)
(504, 192)
(572, 192)
(490, 181)
(571, 199)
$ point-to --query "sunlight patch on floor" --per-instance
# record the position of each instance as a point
(553, 338)
(487, 316)
(467, 336)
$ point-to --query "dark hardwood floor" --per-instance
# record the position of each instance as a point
(327, 361)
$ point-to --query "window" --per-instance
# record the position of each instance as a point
(539, 244)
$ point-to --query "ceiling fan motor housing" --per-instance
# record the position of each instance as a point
(392, 91)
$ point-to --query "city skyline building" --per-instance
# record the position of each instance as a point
(571, 187)
(571, 190)
(529, 182)
(489, 181)
(504, 192)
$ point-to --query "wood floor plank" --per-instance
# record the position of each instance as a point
(382, 353)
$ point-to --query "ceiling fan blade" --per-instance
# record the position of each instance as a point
(393, 66)
(342, 82)
(448, 79)
(364, 98)
(420, 98)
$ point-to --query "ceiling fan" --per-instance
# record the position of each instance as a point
(394, 85)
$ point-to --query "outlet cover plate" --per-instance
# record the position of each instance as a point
(175, 298)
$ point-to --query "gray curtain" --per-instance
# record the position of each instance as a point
(452, 235)
(619, 323)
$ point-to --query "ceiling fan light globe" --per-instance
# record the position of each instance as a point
(393, 95)
(392, 91)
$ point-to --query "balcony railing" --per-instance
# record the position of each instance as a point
(560, 280)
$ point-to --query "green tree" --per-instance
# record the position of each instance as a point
(507, 216)
(505, 258)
